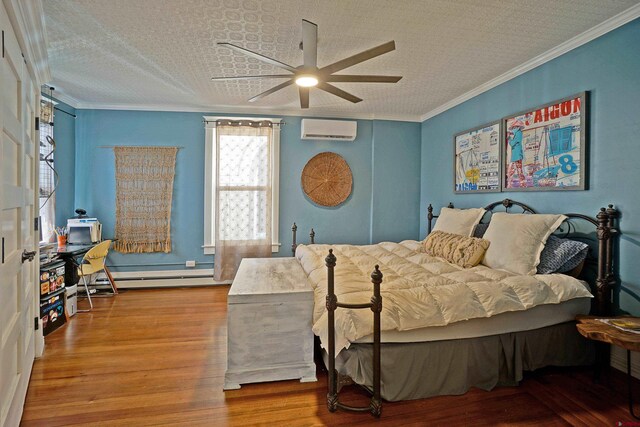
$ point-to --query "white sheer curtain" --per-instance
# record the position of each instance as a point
(242, 196)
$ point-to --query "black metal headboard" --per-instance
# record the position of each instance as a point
(294, 232)
(606, 229)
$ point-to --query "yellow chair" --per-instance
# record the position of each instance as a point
(93, 262)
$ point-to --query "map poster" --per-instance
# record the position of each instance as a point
(545, 147)
(477, 160)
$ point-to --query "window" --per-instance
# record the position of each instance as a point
(245, 163)
(47, 175)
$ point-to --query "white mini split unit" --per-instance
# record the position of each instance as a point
(336, 130)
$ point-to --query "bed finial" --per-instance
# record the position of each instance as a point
(613, 215)
(330, 260)
(312, 235)
(450, 205)
(429, 218)
(294, 245)
(376, 275)
(376, 299)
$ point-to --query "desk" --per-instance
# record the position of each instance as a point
(69, 253)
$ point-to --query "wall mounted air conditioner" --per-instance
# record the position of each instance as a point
(337, 130)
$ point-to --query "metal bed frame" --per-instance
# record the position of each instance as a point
(605, 223)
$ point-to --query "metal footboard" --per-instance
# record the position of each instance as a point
(333, 403)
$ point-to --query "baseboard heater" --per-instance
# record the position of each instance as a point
(161, 279)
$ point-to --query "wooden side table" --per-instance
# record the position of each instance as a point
(590, 327)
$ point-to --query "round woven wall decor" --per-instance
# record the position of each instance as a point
(326, 179)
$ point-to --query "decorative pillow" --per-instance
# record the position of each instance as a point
(458, 221)
(561, 255)
(518, 239)
(464, 251)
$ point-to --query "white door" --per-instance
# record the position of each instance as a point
(18, 277)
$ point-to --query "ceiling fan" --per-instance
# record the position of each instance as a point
(309, 75)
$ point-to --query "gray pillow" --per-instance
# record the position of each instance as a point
(561, 255)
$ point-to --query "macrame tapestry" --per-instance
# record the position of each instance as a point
(144, 189)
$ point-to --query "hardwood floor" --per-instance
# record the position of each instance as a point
(158, 357)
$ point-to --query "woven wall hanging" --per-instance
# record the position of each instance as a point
(144, 190)
(326, 179)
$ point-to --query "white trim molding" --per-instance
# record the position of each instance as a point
(591, 34)
(27, 17)
(223, 109)
(164, 278)
(63, 97)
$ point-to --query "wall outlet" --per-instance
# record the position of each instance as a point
(190, 264)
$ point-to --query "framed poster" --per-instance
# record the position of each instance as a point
(477, 160)
(544, 148)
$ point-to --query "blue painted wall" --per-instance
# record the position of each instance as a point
(384, 204)
(609, 68)
(64, 133)
(396, 181)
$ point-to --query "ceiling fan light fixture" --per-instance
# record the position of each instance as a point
(309, 75)
(306, 80)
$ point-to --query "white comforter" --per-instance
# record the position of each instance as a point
(419, 290)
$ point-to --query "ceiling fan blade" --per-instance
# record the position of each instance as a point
(309, 43)
(304, 97)
(338, 92)
(362, 79)
(264, 76)
(358, 58)
(270, 91)
(259, 57)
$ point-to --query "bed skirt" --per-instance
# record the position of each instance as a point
(425, 369)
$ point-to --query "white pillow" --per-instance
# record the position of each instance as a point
(517, 240)
(459, 221)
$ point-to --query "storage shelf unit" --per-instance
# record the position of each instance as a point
(52, 296)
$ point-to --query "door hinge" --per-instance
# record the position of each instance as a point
(3, 43)
(36, 324)
(3, 250)
(37, 123)
(36, 223)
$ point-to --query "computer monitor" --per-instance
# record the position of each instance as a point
(79, 236)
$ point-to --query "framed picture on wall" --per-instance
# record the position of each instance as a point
(545, 147)
(477, 160)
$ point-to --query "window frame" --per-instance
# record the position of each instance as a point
(209, 186)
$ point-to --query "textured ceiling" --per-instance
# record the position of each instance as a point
(162, 53)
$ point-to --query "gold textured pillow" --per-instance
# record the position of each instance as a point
(464, 251)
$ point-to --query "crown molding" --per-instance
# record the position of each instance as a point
(221, 109)
(63, 97)
(27, 16)
(599, 30)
